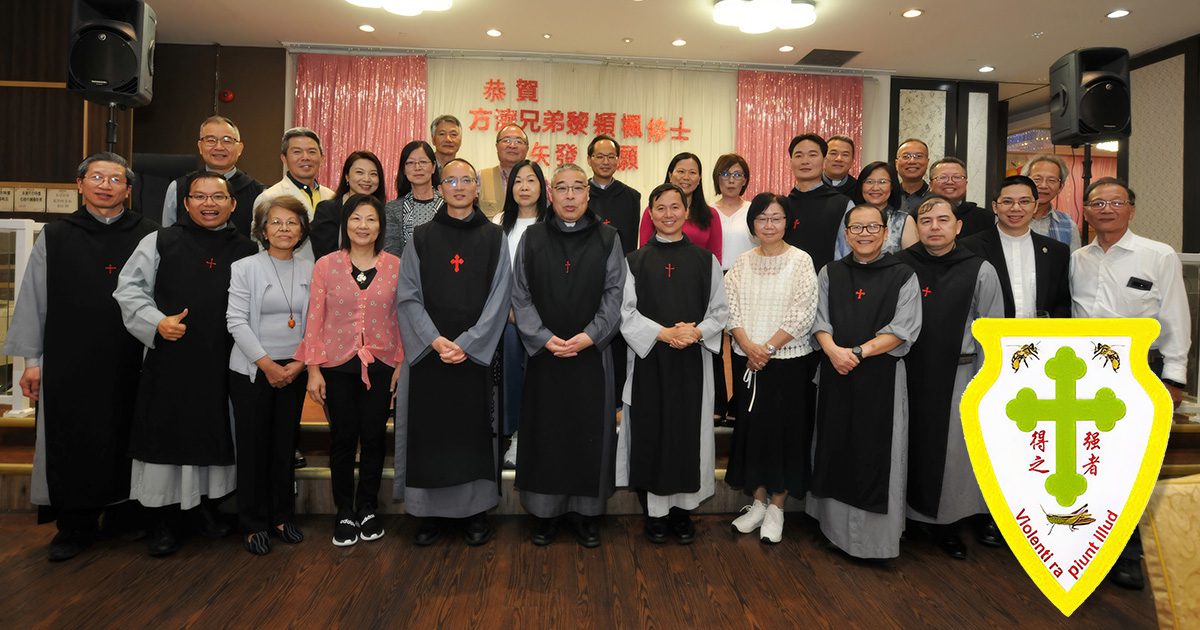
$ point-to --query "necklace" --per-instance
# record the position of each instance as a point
(286, 297)
(361, 277)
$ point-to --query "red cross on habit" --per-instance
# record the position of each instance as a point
(568, 266)
(456, 261)
(795, 223)
(606, 221)
(860, 293)
(669, 269)
(926, 291)
(110, 268)
(211, 263)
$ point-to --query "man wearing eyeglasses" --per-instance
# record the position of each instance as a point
(838, 161)
(220, 147)
(512, 145)
(64, 314)
(948, 178)
(1049, 172)
(1121, 274)
(912, 162)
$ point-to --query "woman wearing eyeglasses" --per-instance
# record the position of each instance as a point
(268, 302)
(868, 314)
(703, 225)
(362, 174)
(417, 198)
(730, 177)
(878, 185)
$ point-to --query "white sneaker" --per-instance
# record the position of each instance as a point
(510, 456)
(751, 518)
(772, 526)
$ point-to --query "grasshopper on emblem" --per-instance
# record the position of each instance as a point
(1078, 518)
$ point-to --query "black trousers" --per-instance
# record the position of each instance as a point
(265, 419)
(84, 520)
(357, 419)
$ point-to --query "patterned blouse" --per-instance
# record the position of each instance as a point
(770, 293)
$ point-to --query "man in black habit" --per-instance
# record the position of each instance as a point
(868, 315)
(816, 209)
(957, 287)
(64, 312)
(173, 294)
(569, 275)
(453, 297)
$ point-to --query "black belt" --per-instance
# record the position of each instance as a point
(1153, 355)
(966, 359)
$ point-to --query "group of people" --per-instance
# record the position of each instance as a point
(474, 302)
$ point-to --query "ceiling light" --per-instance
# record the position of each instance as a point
(912, 13)
(1119, 13)
(786, 48)
(494, 33)
(367, 28)
(764, 16)
(627, 40)
(367, 4)
(986, 68)
(1111, 146)
(406, 8)
(679, 42)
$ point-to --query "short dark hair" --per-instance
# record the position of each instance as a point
(907, 140)
(662, 189)
(299, 132)
(759, 205)
(199, 175)
(441, 119)
(842, 138)
(724, 163)
(933, 200)
(591, 148)
(353, 204)
(105, 156)
(344, 185)
(949, 159)
(1109, 181)
(1016, 180)
(258, 230)
(861, 206)
(811, 137)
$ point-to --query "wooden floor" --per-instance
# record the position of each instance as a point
(720, 581)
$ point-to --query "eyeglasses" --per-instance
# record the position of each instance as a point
(512, 141)
(212, 141)
(1115, 204)
(1042, 179)
(216, 197)
(911, 156)
(562, 190)
(772, 220)
(734, 175)
(418, 164)
(1024, 202)
(876, 182)
(942, 179)
(604, 157)
(97, 179)
(290, 224)
(871, 228)
(455, 182)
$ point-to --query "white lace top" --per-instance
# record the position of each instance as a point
(770, 293)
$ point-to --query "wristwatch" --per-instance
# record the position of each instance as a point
(771, 350)
(857, 350)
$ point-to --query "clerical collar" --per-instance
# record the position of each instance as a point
(601, 186)
(1004, 236)
(302, 186)
(820, 185)
(858, 262)
(658, 237)
(832, 182)
(105, 220)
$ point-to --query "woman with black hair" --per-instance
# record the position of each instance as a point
(362, 174)
(353, 352)
(417, 198)
(879, 185)
(703, 225)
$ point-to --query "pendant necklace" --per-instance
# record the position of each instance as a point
(286, 297)
(361, 277)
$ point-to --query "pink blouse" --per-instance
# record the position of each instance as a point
(709, 238)
(344, 320)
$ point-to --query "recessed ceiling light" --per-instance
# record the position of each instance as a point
(912, 13)
(986, 68)
(367, 28)
(786, 48)
(1119, 13)
(628, 40)
(494, 33)
(545, 35)
(679, 42)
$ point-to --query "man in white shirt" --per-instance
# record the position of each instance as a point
(1121, 274)
(1049, 172)
(302, 156)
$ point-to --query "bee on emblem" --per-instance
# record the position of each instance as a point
(1110, 355)
(1023, 354)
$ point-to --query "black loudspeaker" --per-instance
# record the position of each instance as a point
(111, 59)
(1089, 96)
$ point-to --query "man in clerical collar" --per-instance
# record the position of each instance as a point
(220, 146)
(912, 162)
(838, 160)
(64, 315)
(816, 210)
(611, 199)
(948, 178)
(1049, 172)
(301, 154)
(512, 145)
(445, 133)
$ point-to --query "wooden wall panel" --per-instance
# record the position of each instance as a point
(43, 134)
(35, 33)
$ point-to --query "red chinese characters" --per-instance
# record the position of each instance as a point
(505, 116)
(577, 123)
(529, 120)
(656, 129)
(1091, 440)
(679, 132)
(631, 126)
(540, 153)
(629, 158)
(480, 119)
(605, 123)
(1092, 466)
(554, 120)
(527, 90)
(565, 153)
(494, 90)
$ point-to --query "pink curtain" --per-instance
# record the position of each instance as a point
(774, 107)
(375, 104)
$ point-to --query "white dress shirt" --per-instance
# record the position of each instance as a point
(1022, 272)
(1100, 287)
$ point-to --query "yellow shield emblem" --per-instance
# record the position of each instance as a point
(1066, 427)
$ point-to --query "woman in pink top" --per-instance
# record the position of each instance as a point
(353, 352)
(703, 225)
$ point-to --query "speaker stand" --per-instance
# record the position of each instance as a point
(1087, 180)
(110, 136)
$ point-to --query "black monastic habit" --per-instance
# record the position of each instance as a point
(245, 190)
(814, 218)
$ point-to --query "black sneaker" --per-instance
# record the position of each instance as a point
(67, 544)
(288, 533)
(369, 527)
(345, 532)
(298, 460)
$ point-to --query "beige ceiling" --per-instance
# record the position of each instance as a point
(1021, 38)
